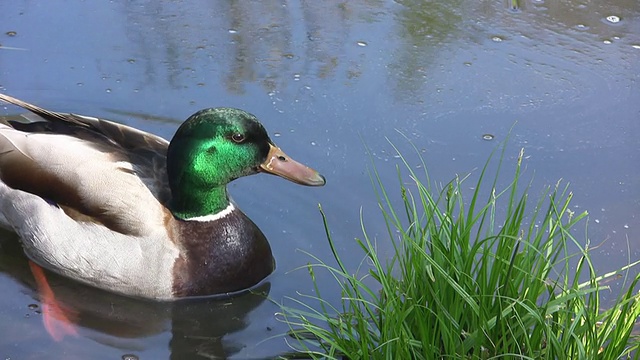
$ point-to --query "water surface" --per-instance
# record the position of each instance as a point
(328, 80)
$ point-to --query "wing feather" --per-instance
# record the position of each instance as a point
(93, 168)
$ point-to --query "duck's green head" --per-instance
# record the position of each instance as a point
(215, 146)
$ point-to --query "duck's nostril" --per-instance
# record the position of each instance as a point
(282, 158)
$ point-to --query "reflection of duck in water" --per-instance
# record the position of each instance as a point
(126, 325)
(129, 212)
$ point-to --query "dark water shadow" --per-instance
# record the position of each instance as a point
(196, 328)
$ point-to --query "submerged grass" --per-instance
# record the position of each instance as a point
(478, 278)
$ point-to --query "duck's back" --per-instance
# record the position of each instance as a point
(87, 199)
(96, 170)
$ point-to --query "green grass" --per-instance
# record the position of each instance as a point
(491, 276)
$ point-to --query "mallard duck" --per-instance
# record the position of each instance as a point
(132, 213)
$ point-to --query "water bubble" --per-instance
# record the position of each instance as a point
(289, 55)
(108, 90)
(488, 137)
(131, 61)
(626, 226)
(80, 84)
(277, 134)
(200, 84)
(467, 63)
(313, 143)
(636, 46)
(233, 31)
(607, 42)
(497, 39)
(613, 19)
(32, 306)
(11, 33)
(361, 43)
(130, 357)
(296, 77)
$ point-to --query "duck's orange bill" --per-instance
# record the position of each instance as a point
(278, 163)
(58, 322)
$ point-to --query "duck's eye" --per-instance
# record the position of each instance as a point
(237, 137)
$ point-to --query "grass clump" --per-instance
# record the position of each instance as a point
(488, 277)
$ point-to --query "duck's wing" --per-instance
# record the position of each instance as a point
(145, 151)
(95, 169)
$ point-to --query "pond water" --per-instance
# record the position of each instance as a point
(329, 80)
